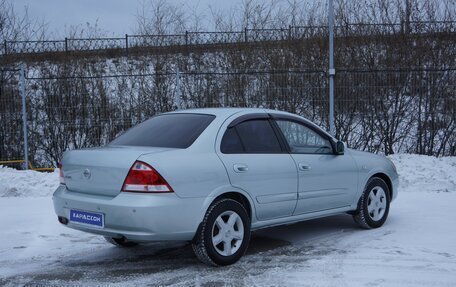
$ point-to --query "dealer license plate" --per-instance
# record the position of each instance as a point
(87, 218)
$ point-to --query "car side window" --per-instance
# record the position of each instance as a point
(252, 136)
(303, 139)
(231, 142)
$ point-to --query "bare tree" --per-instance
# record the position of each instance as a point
(159, 17)
(14, 27)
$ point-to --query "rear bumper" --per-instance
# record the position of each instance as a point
(137, 217)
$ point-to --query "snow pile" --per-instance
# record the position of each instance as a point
(27, 183)
(419, 173)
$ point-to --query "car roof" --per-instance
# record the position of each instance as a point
(226, 112)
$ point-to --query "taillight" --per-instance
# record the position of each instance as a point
(62, 177)
(144, 178)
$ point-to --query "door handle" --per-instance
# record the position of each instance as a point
(240, 167)
(304, 166)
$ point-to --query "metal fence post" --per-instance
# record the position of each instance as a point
(66, 44)
(178, 93)
(332, 70)
(24, 113)
(126, 43)
(6, 47)
(245, 35)
(186, 37)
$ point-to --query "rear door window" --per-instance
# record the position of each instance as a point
(252, 136)
(231, 143)
(168, 130)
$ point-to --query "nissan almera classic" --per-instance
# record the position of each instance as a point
(211, 176)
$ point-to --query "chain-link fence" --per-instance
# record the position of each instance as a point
(11, 127)
(74, 112)
(392, 111)
(382, 111)
(247, 35)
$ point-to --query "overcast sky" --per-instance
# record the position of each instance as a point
(118, 17)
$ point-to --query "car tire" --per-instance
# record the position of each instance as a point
(121, 242)
(374, 204)
(224, 234)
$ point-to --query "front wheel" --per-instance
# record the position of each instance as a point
(374, 204)
(224, 234)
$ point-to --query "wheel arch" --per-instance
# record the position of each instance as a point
(387, 180)
(239, 196)
(378, 174)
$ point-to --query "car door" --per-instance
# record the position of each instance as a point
(326, 180)
(257, 162)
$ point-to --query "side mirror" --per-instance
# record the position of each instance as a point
(340, 147)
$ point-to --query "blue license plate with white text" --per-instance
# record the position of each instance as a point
(87, 218)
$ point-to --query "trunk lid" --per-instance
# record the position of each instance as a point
(102, 170)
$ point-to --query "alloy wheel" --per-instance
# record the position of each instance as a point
(376, 205)
(227, 233)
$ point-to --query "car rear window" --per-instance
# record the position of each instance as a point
(168, 130)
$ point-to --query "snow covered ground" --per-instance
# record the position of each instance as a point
(416, 246)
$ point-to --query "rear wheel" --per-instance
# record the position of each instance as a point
(374, 204)
(224, 234)
(121, 242)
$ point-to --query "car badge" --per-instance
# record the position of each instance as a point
(87, 173)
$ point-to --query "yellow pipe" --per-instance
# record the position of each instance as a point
(12, 161)
(50, 169)
(30, 165)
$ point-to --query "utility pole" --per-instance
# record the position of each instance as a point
(332, 70)
(408, 13)
(24, 113)
(177, 96)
